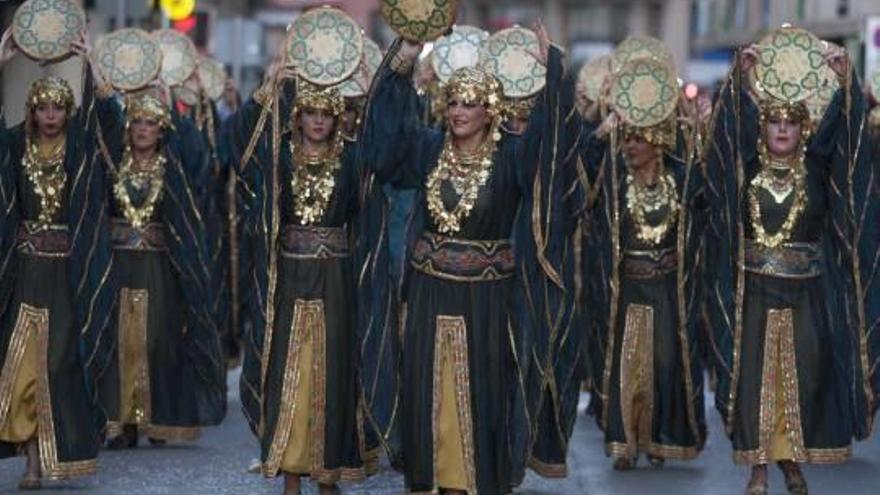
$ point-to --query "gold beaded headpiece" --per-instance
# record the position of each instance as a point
(472, 85)
(145, 106)
(518, 108)
(793, 111)
(662, 134)
(327, 98)
(50, 90)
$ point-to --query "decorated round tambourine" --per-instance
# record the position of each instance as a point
(45, 29)
(593, 74)
(644, 92)
(790, 64)
(420, 20)
(129, 59)
(359, 83)
(325, 45)
(508, 54)
(638, 47)
(460, 48)
(212, 75)
(819, 100)
(179, 56)
(185, 95)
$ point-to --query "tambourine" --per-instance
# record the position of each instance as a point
(212, 75)
(179, 56)
(420, 20)
(790, 64)
(45, 29)
(325, 45)
(460, 48)
(129, 59)
(508, 55)
(645, 92)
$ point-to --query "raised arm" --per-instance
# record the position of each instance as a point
(394, 140)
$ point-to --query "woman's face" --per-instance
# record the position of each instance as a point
(50, 119)
(783, 136)
(317, 124)
(638, 152)
(466, 119)
(145, 134)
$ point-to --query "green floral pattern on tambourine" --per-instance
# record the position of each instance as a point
(44, 29)
(326, 45)
(359, 83)
(638, 47)
(419, 20)
(179, 56)
(508, 55)
(592, 75)
(460, 48)
(819, 100)
(644, 92)
(212, 75)
(129, 59)
(789, 64)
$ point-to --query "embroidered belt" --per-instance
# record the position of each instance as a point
(649, 263)
(52, 240)
(150, 237)
(463, 260)
(308, 241)
(791, 260)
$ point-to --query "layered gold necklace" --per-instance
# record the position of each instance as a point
(313, 182)
(147, 175)
(467, 174)
(780, 180)
(642, 200)
(45, 171)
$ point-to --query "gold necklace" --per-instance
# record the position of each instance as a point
(780, 187)
(313, 182)
(642, 200)
(466, 175)
(149, 175)
(47, 176)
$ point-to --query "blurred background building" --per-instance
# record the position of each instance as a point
(702, 34)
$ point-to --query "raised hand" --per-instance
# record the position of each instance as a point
(8, 49)
(543, 42)
(837, 59)
(748, 57)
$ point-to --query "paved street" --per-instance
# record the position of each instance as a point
(217, 465)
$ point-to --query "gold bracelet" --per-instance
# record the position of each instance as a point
(401, 65)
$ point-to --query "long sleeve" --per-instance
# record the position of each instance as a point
(396, 143)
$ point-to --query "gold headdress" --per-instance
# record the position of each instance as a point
(794, 111)
(518, 108)
(50, 90)
(309, 95)
(145, 106)
(472, 85)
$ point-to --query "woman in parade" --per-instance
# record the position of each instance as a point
(305, 198)
(466, 314)
(645, 235)
(55, 297)
(793, 239)
(167, 376)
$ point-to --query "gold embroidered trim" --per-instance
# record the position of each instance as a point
(452, 331)
(779, 359)
(617, 450)
(305, 315)
(23, 331)
(52, 468)
(637, 377)
(133, 306)
(810, 456)
(547, 470)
